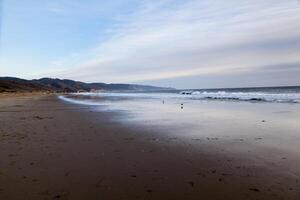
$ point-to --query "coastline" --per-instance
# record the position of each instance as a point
(24, 94)
(54, 150)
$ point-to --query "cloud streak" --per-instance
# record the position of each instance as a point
(172, 38)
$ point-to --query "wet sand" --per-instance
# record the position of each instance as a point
(50, 149)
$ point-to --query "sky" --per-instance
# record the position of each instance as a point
(176, 43)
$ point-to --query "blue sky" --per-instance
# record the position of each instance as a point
(179, 43)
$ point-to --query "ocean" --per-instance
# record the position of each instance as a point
(186, 106)
(262, 94)
(228, 114)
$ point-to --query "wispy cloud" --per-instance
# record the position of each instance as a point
(174, 38)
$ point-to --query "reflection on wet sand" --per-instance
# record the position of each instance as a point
(133, 148)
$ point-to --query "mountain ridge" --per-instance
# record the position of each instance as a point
(13, 84)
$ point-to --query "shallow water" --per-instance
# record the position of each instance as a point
(261, 132)
(187, 114)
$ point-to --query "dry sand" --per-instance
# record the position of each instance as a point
(53, 150)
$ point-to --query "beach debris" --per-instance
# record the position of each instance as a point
(254, 189)
(38, 117)
(149, 191)
(155, 139)
(263, 120)
(191, 183)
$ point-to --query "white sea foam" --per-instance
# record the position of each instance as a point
(246, 96)
(196, 95)
(81, 102)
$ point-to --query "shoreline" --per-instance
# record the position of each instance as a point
(51, 149)
(24, 94)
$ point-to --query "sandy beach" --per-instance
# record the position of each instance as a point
(51, 149)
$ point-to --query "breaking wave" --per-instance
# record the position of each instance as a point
(244, 96)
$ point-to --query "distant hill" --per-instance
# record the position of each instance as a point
(11, 84)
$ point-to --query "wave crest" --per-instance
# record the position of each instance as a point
(245, 96)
